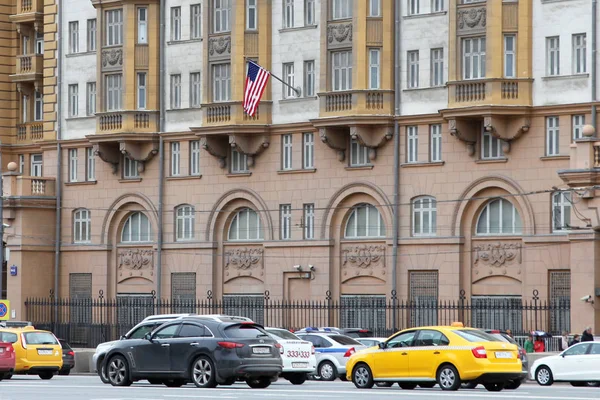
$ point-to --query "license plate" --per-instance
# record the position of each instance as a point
(1, 349)
(45, 352)
(261, 350)
(504, 354)
(299, 365)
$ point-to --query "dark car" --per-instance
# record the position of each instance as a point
(350, 332)
(68, 356)
(204, 351)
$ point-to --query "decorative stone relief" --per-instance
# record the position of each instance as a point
(469, 19)
(219, 46)
(372, 137)
(250, 145)
(339, 34)
(141, 152)
(503, 259)
(112, 58)
(507, 129)
(363, 260)
(244, 262)
(135, 263)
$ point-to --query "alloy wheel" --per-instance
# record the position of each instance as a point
(326, 371)
(117, 371)
(361, 376)
(447, 378)
(202, 372)
(543, 376)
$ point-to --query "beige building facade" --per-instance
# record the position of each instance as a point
(424, 155)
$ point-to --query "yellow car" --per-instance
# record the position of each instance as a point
(37, 352)
(446, 355)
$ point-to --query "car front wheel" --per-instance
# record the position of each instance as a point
(543, 376)
(118, 372)
(204, 373)
(448, 378)
(362, 377)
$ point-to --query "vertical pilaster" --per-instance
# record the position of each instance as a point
(8, 52)
(50, 77)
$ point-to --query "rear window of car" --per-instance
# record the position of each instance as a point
(64, 345)
(8, 337)
(39, 338)
(283, 334)
(244, 332)
(476, 336)
(344, 340)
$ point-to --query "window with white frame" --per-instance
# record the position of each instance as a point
(412, 144)
(413, 69)
(309, 78)
(308, 150)
(72, 165)
(342, 70)
(359, 154)
(25, 108)
(561, 211)
(185, 217)
(195, 89)
(82, 226)
(221, 82)
(308, 219)
(92, 28)
(285, 216)
(141, 90)
(137, 228)
(288, 14)
(374, 68)
(221, 14)
(114, 27)
(435, 142)
(195, 157)
(552, 136)
(474, 58)
(38, 107)
(437, 5)
(90, 164)
(130, 168)
(175, 91)
(288, 77)
(73, 100)
(424, 221)
(74, 37)
(175, 158)
(499, 217)
(342, 9)
(142, 25)
(509, 56)
(251, 15)
(21, 163)
(114, 92)
(37, 165)
(553, 56)
(374, 8)
(239, 162)
(39, 43)
(91, 98)
(578, 123)
(309, 12)
(25, 44)
(175, 23)
(245, 225)
(413, 7)
(196, 21)
(286, 152)
(579, 54)
(491, 147)
(437, 67)
(364, 221)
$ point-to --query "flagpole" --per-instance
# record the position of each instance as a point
(278, 78)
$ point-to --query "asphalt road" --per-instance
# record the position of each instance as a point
(90, 388)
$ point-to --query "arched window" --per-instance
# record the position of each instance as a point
(136, 229)
(184, 222)
(424, 216)
(245, 226)
(82, 226)
(365, 221)
(499, 217)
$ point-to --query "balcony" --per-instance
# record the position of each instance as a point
(30, 68)
(26, 186)
(356, 102)
(232, 113)
(503, 92)
(29, 11)
(30, 132)
(127, 122)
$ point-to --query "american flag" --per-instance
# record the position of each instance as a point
(256, 81)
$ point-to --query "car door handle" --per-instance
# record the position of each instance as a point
(436, 352)
(165, 345)
(195, 344)
(404, 354)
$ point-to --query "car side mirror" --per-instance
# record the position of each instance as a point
(122, 337)
(148, 337)
(381, 345)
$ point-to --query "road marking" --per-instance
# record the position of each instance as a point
(198, 397)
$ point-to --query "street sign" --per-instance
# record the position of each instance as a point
(4, 310)
(13, 270)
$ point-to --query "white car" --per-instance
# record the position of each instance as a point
(297, 355)
(578, 365)
(371, 341)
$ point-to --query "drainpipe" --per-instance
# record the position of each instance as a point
(594, 61)
(396, 156)
(161, 152)
(57, 239)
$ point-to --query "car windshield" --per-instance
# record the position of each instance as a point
(344, 340)
(244, 332)
(39, 338)
(283, 334)
(473, 335)
(8, 337)
(64, 344)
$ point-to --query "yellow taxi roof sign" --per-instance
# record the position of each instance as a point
(458, 324)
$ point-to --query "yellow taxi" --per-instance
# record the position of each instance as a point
(443, 355)
(37, 352)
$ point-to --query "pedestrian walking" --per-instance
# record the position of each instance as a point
(587, 336)
(564, 341)
(539, 346)
(574, 341)
(528, 346)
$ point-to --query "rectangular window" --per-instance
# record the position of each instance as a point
(578, 123)
(251, 16)
(114, 92)
(285, 212)
(25, 108)
(91, 98)
(509, 56)
(413, 7)
(222, 10)
(342, 9)
(141, 91)
(25, 44)
(474, 58)
(286, 152)
(437, 67)
(561, 211)
(73, 100)
(308, 220)
(413, 69)
(142, 33)
(309, 78)
(39, 43)
(114, 27)
(195, 157)
(559, 294)
(491, 147)
(579, 54)
(91, 34)
(288, 13)
(435, 140)
(74, 37)
(90, 164)
(374, 8)
(412, 144)
(342, 70)
(288, 77)
(195, 93)
(175, 23)
(175, 91)
(38, 110)
(359, 154)
(553, 56)
(239, 162)
(130, 168)
(72, 165)
(196, 21)
(81, 227)
(221, 82)
(36, 165)
(21, 163)
(423, 295)
(374, 69)
(552, 136)
(175, 158)
(309, 12)
(437, 5)
(308, 152)
(183, 292)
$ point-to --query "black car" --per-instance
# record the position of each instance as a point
(68, 356)
(203, 351)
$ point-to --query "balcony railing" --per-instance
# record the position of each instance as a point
(490, 91)
(18, 185)
(232, 113)
(28, 11)
(361, 102)
(127, 121)
(30, 131)
(29, 68)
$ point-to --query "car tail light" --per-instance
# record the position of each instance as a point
(479, 352)
(312, 349)
(71, 353)
(10, 349)
(495, 331)
(280, 347)
(350, 352)
(230, 345)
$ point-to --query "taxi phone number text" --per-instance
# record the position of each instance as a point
(298, 354)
